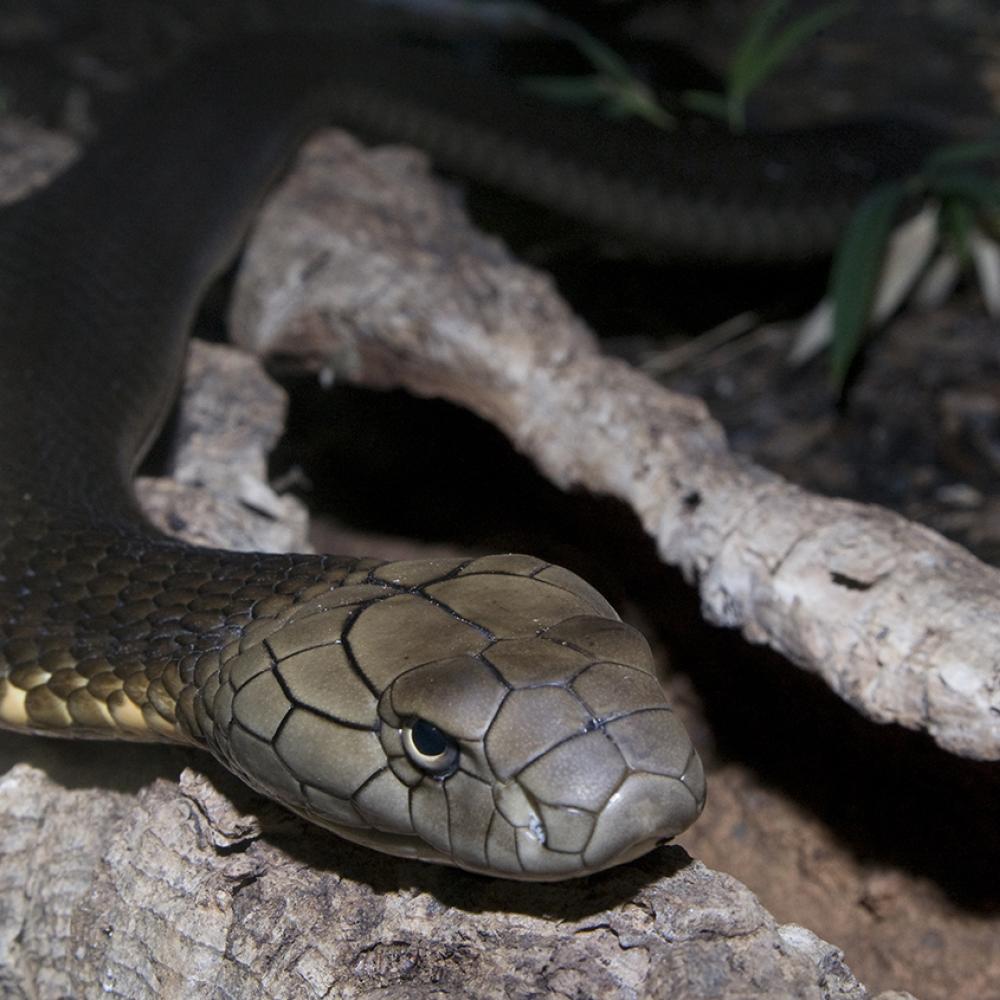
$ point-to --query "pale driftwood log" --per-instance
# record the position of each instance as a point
(229, 418)
(124, 886)
(137, 871)
(366, 266)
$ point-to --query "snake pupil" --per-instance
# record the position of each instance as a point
(428, 739)
(432, 751)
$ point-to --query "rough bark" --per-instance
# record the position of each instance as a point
(151, 872)
(364, 265)
(207, 892)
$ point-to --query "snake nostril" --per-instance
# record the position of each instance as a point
(522, 810)
(537, 829)
(535, 824)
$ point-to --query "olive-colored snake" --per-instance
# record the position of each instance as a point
(492, 713)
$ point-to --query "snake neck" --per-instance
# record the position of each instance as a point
(116, 631)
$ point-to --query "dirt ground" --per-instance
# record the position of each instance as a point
(868, 835)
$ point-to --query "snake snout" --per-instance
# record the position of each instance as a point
(604, 797)
(592, 766)
(495, 715)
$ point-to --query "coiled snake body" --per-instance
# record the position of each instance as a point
(495, 713)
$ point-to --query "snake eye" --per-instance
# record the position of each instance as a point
(430, 749)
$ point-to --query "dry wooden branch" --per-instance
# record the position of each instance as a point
(151, 894)
(364, 265)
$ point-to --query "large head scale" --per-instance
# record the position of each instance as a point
(493, 714)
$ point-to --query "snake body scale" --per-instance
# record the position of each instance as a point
(492, 713)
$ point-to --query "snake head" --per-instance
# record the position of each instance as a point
(496, 715)
(543, 757)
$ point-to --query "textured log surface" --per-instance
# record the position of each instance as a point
(363, 265)
(163, 892)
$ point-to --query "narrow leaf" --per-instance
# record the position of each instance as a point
(779, 48)
(856, 269)
(567, 89)
(631, 99)
(814, 333)
(638, 101)
(958, 220)
(962, 154)
(907, 254)
(755, 38)
(600, 55)
(965, 185)
(615, 87)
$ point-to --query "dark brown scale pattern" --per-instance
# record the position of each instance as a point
(85, 613)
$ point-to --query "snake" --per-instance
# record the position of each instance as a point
(492, 713)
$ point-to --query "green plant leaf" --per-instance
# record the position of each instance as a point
(855, 273)
(638, 101)
(961, 154)
(601, 57)
(616, 99)
(754, 40)
(762, 52)
(783, 45)
(567, 89)
(613, 87)
(975, 188)
(957, 221)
